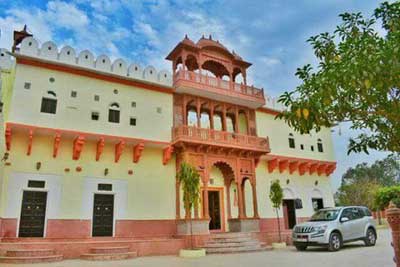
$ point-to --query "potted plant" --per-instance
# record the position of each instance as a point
(190, 180)
(276, 197)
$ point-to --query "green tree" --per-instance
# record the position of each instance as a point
(190, 180)
(387, 194)
(276, 197)
(385, 172)
(358, 193)
(357, 80)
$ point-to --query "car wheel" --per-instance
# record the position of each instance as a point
(335, 242)
(301, 247)
(370, 239)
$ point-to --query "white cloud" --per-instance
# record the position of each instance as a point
(66, 15)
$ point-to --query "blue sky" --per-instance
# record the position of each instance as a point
(271, 34)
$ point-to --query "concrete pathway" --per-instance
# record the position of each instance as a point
(354, 255)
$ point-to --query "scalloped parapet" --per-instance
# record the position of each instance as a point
(272, 103)
(85, 59)
(6, 61)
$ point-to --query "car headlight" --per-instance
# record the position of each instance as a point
(321, 229)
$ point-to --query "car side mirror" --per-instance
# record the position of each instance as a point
(344, 219)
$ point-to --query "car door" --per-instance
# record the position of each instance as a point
(360, 221)
(347, 227)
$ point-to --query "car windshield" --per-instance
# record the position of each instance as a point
(325, 215)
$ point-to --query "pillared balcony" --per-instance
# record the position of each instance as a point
(218, 89)
(203, 136)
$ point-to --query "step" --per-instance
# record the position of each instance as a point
(230, 240)
(29, 252)
(109, 250)
(230, 235)
(235, 250)
(231, 244)
(37, 259)
(109, 256)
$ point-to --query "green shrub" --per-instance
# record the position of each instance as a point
(386, 194)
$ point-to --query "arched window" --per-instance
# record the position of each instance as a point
(192, 117)
(242, 123)
(113, 113)
(319, 144)
(292, 143)
(230, 124)
(205, 120)
(49, 103)
(217, 122)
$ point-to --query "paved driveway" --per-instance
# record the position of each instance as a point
(354, 255)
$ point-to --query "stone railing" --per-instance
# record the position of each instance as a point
(219, 85)
(214, 137)
(393, 218)
(85, 59)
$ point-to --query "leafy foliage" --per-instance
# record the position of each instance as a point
(276, 194)
(361, 183)
(190, 180)
(357, 80)
(386, 194)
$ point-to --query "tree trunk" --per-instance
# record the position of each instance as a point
(279, 225)
(191, 233)
(378, 214)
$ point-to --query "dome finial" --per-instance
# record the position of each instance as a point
(210, 37)
(186, 37)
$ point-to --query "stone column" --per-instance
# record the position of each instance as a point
(223, 117)
(243, 200)
(198, 111)
(228, 199)
(240, 201)
(212, 116)
(177, 199)
(255, 205)
(236, 120)
(393, 218)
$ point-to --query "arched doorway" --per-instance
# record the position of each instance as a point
(289, 208)
(221, 176)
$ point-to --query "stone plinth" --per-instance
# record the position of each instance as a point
(244, 225)
(393, 218)
(199, 227)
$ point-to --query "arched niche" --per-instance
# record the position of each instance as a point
(103, 63)
(218, 69)
(29, 46)
(67, 55)
(49, 50)
(150, 74)
(119, 67)
(135, 71)
(86, 59)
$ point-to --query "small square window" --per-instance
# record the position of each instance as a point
(27, 85)
(104, 187)
(96, 98)
(133, 104)
(132, 121)
(302, 147)
(159, 110)
(74, 93)
(36, 184)
(95, 116)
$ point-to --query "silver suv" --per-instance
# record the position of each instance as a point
(332, 227)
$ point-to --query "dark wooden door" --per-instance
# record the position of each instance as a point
(289, 205)
(214, 210)
(33, 213)
(103, 215)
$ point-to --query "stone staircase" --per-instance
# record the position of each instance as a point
(109, 253)
(30, 256)
(233, 243)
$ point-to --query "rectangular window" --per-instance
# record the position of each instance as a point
(96, 98)
(159, 110)
(132, 122)
(95, 116)
(302, 147)
(104, 187)
(27, 85)
(133, 104)
(113, 116)
(291, 143)
(312, 148)
(36, 184)
(74, 93)
(48, 105)
(317, 203)
(320, 148)
(1, 107)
